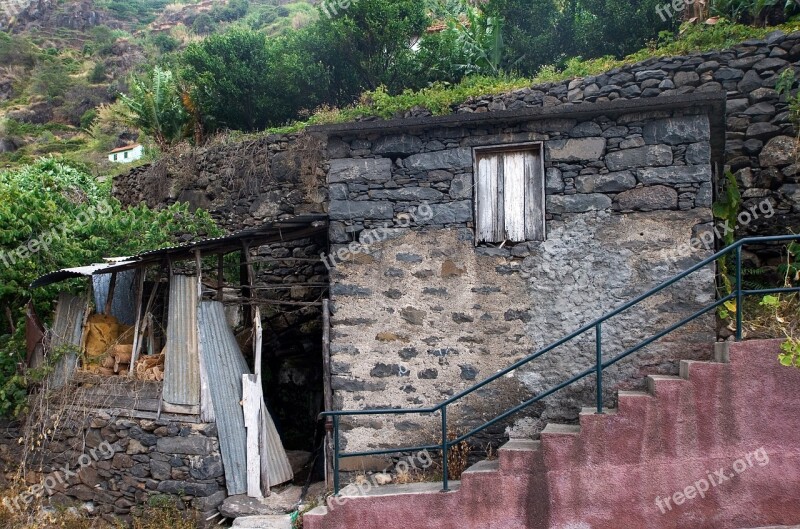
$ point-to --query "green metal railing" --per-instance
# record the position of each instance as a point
(597, 369)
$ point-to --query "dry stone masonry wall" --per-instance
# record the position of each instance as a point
(420, 313)
(125, 462)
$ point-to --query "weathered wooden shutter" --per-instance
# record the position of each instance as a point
(509, 197)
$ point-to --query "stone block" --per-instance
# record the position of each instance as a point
(605, 183)
(779, 151)
(460, 158)
(577, 203)
(398, 145)
(575, 149)
(648, 156)
(648, 199)
(682, 174)
(191, 445)
(675, 131)
(360, 209)
(360, 170)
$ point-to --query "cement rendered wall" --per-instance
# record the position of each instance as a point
(420, 313)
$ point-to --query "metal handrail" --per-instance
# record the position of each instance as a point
(738, 294)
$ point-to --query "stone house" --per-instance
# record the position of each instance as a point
(481, 238)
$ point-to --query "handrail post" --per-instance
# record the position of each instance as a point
(739, 308)
(598, 349)
(445, 447)
(336, 455)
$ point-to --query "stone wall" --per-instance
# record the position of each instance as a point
(760, 147)
(125, 462)
(420, 313)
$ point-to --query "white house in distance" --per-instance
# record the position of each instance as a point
(128, 153)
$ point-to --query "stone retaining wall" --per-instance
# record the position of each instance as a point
(118, 463)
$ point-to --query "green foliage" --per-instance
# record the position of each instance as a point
(97, 74)
(16, 51)
(155, 106)
(142, 12)
(233, 10)
(165, 42)
(204, 24)
(50, 79)
(369, 45)
(55, 215)
(726, 209)
(790, 353)
(757, 11)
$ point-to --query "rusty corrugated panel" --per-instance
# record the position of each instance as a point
(225, 365)
(66, 333)
(34, 337)
(123, 306)
(182, 363)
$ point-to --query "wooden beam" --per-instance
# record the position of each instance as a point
(220, 277)
(246, 279)
(148, 322)
(138, 324)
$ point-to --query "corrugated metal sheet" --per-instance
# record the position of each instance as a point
(182, 363)
(123, 306)
(67, 331)
(297, 227)
(225, 365)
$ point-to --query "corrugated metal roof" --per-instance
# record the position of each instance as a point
(225, 365)
(182, 363)
(67, 331)
(298, 227)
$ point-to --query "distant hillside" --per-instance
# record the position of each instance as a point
(61, 60)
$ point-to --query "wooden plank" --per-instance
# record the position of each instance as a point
(486, 198)
(263, 441)
(251, 401)
(148, 317)
(514, 196)
(499, 212)
(534, 197)
(136, 414)
(138, 324)
(180, 409)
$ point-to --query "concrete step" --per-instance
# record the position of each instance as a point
(561, 429)
(722, 352)
(593, 411)
(283, 521)
(662, 383)
(633, 401)
(518, 455)
(482, 467)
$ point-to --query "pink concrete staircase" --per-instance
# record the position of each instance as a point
(717, 447)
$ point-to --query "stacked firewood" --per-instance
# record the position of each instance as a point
(150, 367)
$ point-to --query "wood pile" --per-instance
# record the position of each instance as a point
(150, 367)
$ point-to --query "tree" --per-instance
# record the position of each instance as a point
(53, 215)
(370, 44)
(228, 73)
(155, 106)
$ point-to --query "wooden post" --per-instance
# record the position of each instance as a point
(198, 263)
(221, 277)
(138, 324)
(327, 387)
(258, 338)
(251, 400)
(110, 298)
(246, 280)
(148, 320)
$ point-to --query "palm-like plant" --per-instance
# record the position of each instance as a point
(155, 106)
